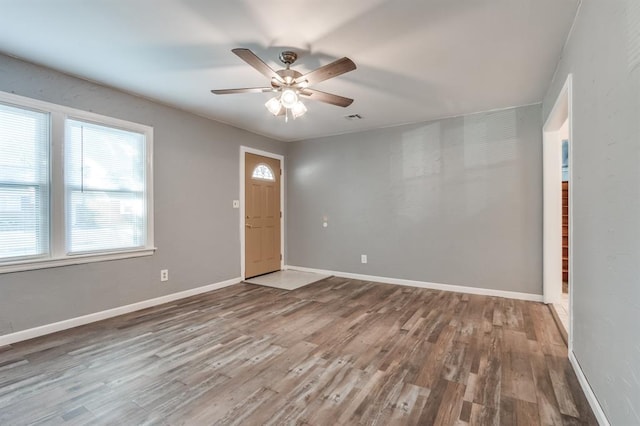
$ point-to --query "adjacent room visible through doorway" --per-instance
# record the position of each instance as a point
(557, 210)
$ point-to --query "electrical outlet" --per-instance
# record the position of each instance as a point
(164, 275)
(236, 204)
(363, 258)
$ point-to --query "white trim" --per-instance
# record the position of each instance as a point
(19, 336)
(31, 264)
(569, 85)
(243, 150)
(423, 284)
(552, 205)
(23, 101)
(588, 392)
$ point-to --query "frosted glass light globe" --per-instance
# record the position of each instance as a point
(288, 98)
(274, 106)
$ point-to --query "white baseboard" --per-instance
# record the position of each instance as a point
(423, 284)
(19, 336)
(588, 392)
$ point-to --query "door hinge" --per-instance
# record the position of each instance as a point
(280, 215)
(280, 256)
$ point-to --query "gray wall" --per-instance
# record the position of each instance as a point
(456, 201)
(603, 53)
(196, 177)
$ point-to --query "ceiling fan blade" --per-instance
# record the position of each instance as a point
(250, 58)
(329, 98)
(245, 90)
(328, 71)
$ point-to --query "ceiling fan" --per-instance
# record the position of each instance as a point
(290, 84)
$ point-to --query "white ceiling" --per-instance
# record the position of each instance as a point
(417, 60)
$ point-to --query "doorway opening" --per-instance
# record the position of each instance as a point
(261, 212)
(557, 210)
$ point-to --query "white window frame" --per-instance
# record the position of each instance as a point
(57, 251)
(44, 194)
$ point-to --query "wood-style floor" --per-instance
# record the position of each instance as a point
(336, 352)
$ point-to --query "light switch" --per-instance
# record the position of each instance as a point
(236, 204)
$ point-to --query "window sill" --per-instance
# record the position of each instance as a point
(28, 265)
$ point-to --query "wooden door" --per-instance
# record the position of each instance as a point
(262, 215)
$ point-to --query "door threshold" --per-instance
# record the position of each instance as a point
(559, 323)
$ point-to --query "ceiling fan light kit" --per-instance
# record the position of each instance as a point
(291, 84)
(288, 98)
(274, 106)
(287, 101)
(298, 109)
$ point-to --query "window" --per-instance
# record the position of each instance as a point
(263, 172)
(24, 182)
(91, 203)
(104, 188)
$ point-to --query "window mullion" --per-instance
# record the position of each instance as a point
(58, 195)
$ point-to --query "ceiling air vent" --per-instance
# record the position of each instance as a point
(353, 117)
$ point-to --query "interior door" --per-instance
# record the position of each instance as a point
(262, 215)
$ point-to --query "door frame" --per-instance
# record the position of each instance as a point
(552, 201)
(243, 151)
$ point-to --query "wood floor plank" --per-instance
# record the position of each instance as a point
(337, 352)
(517, 377)
(410, 401)
(507, 411)
(434, 402)
(451, 404)
(548, 408)
(434, 359)
(526, 413)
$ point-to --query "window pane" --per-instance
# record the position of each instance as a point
(24, 182)
(100, 157)
(262, 171)
(106, 193)
(106, 220)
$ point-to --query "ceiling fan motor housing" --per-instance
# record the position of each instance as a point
(288, 57)
(288, 75)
